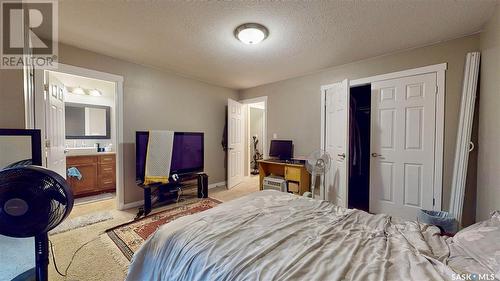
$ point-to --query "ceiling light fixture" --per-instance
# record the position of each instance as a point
(251, 33)
(78, 91)
(95, 93)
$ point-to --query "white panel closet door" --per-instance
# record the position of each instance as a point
(55, 127)
(336, 142)
(403, 123)
(235, 143)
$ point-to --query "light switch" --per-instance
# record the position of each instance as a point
(275, 136)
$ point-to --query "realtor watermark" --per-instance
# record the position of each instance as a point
(473, 277)
(29, 34)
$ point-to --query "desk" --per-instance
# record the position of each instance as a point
(294, 173)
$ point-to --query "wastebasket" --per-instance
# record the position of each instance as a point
(444, 220)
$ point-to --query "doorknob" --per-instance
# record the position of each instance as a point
(230, 148)
(376, 155)
(341, 155)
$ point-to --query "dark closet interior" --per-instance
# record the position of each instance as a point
(359, 147)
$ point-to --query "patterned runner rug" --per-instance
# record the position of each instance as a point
(129, 237)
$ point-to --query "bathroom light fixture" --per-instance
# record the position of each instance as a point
(78, 91)
(95, 93)
(251, 33)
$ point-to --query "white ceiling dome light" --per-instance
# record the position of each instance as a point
(95, 93)
(78, 91)
(251, 33)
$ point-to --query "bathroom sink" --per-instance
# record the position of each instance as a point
(75, 151)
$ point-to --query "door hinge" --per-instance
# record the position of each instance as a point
(46, 87)
(47, 143)
(437, 89)
(433, 201)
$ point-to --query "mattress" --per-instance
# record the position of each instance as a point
(271, 235)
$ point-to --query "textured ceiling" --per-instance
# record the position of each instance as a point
(195, 38)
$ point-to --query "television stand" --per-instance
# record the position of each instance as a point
(170, 191)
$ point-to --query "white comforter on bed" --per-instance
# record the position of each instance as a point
(271, 235)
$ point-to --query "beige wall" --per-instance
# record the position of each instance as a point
(156, 99)
(294, 104)
(11, 99)
(488, 179)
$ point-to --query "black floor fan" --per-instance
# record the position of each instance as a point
(33, 200)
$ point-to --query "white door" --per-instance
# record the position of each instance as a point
(235, 143)
(55, 126)
(336, 142)
(403, 123)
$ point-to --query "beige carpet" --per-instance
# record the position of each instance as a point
(100, 259)
(247, 186)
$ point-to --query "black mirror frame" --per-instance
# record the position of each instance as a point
(108, 122)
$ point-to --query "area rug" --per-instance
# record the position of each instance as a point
(82, 221)
(129, 237)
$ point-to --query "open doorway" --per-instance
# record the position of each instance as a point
(89, 158)
(255, 135)
(246, 135)
(359, 147)
(79, 117)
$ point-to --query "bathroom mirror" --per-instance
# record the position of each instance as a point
(87, 121)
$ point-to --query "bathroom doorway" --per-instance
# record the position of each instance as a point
(80, 120)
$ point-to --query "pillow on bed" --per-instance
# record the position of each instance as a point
(481, 241)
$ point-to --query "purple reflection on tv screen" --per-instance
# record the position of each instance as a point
(187, 153)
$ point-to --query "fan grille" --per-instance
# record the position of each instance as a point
(318, 162)
(46, 194)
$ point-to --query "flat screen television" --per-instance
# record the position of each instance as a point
(282, 149)
(187, 153)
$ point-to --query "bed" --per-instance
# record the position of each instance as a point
(270, 235)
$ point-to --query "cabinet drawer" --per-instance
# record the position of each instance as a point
(107, 159)
(107, 182)
(75, 160)
(293, 187)
(292, 173)
(107, 168)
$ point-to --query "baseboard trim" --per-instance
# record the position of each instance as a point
(132, 205)
(216, 184)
